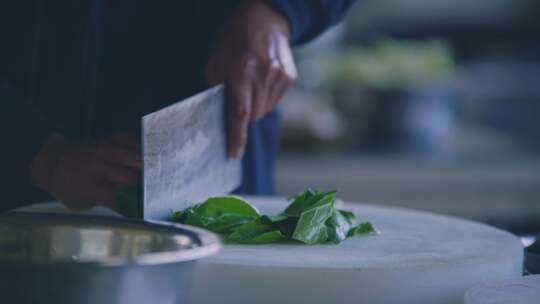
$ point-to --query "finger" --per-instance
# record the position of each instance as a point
(279, 87)
(239, 114)
(288, 73)
(97, 193)
(267, 74)
(116, 154)
(121, 177)
(286, 60)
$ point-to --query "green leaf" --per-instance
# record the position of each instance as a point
(300, 203)
(350, 216)
(287, 226)
(306, 200)
(312, 218)
(182, 216)
(255, 233)
(339, 224)
(363, 228)
(311, 227)
(282, 223)
(264, 230)
(221, 214)
(249, 231)
(267, 238)
(129, 202)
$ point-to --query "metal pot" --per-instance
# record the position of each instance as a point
(55, 258)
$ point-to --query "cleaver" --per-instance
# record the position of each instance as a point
(185, 154)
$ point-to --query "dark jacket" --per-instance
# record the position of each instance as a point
(88, 68)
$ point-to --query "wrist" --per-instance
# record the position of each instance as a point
(278, 19)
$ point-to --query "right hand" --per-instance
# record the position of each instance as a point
(87, 175)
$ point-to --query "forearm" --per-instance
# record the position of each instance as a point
(309, 18)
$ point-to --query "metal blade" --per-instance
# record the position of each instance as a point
(185, 158)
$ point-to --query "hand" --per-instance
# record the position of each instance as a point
(253, 57)
(86, 175)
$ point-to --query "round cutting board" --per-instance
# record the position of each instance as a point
(418, 258)
(524, 290)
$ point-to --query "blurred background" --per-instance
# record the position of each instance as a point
(425, 104)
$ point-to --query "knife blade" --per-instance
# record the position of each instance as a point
(185, 154)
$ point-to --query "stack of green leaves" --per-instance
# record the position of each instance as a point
(312, 217)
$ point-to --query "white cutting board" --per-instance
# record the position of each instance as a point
(525, 290)
(418, 258)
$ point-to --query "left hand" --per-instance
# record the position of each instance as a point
(254, 58)
(85, 175)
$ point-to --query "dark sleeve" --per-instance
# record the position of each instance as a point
(23, 130)
(309, 18)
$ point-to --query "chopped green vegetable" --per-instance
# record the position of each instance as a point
(219, 214)
(311, 218)
(307, 199)
(339, 224)
(182, 216)
(349, 216)
(286, 225)
(263, 230)
(250, 231)
(364, 228)
(311, 227)
(266, 238)
(299, 203)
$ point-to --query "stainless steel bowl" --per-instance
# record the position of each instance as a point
(54, 258)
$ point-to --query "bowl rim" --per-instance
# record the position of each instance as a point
(209, 243)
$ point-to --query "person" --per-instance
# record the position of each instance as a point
(76, 76)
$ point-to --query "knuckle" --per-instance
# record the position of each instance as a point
(271, 66)
(275, 66)
(247, 62)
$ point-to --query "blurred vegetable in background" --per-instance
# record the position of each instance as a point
(390, 96)
(385, 64)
